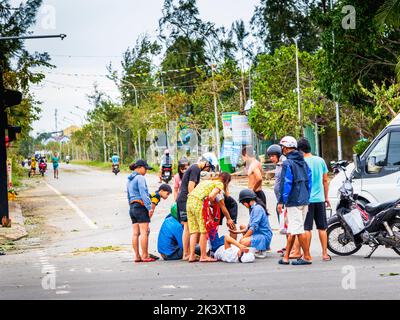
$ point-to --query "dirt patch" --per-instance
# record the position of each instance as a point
(97, 250)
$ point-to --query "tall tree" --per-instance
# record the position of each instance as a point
(276, 21)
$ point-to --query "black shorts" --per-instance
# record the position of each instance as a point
(182, 213)
(316, 212)
(139, 213)
(232, 206)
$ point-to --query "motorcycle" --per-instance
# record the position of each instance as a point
(115, 169)
(42, 168)
(166, 173)
(355, 225)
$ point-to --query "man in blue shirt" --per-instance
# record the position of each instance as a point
(170, 237)
(318, 198)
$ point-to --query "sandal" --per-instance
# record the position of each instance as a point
(327, 259)
(148, 260)
(154, 256)
(301, 262)
(281, 261)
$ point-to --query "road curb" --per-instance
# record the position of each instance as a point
(17, 230)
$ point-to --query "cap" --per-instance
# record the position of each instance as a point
(142, 163)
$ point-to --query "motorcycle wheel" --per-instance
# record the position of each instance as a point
(395, 225)
(335, 233)
(42, 174)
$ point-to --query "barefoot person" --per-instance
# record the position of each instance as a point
(141, 209)
(197, 228)
(190, 180)
(295, 195)
(55, 160)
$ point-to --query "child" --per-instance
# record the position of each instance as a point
(227, 249)
(259, 233)
(163, 192)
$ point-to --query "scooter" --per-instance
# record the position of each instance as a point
(115, 169)
(166, 173)
(42, 168)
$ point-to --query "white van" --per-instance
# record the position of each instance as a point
(376, 173)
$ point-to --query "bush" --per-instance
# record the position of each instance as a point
(360, 146)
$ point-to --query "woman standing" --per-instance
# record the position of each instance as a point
(183, 164)
(207, 188)
(55, 160)
(140, 209)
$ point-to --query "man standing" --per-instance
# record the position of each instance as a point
(255, 173)
(318, 199)
(295, 194)
(190, 180)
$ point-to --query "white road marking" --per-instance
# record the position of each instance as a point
(80, 213)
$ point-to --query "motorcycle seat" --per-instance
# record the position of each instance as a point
(374, 208)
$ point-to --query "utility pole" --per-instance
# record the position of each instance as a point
(104, 143)
(298, 86)
(165, 110)
(216, 113)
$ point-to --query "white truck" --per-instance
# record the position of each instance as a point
(376, 173)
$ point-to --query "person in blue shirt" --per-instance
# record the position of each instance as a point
(169, 243)
(140, 210)
(258, 234)
(115, 158)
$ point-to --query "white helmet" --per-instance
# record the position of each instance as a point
(166, 151)
(211, 159)
(288, 142)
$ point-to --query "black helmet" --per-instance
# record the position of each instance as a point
(274, 149)
(247, 194)
(183, 162)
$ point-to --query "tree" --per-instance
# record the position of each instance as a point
(276, 21)
(274, 90)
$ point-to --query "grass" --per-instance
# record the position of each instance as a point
(98, 249)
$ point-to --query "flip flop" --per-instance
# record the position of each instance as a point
(281, 261)
(148, 260)
(301, 262)
(208, 260)
(137, 261)
(329, 258)
(154, 256)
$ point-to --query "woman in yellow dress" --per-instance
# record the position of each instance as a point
(207, 188)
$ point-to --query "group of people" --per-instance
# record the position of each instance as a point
(190, 231)
(38, 160)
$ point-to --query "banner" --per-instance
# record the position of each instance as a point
(227, 123)
(241, 131)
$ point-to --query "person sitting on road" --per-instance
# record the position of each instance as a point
(169, 243)
(227, 249)
(258, 234)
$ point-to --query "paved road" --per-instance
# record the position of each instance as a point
(88, 208)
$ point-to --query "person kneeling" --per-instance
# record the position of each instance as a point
(170, 237)
(258, 234)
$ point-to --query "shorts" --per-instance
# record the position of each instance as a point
(296, 217)
(182, 213)
(195, 215)
(229, 255)
(55, 166)
(138, 213)
(232, 206)
(217, 242)
(317, 213)
(177, 255)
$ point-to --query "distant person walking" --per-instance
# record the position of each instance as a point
(294, 193)
(318, 199)
(255, 174)
(55, 160)
(140, 209)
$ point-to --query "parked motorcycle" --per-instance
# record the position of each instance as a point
(166, 173)
(115, 169)
(354, 225)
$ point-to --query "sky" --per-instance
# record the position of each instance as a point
(99, 32)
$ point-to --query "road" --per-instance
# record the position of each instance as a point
(87, 209)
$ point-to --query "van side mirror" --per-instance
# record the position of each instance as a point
(357, 162)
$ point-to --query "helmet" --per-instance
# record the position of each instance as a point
(174, 211)
(288, 142)
(247, 194)
(275, 149)
(114, 153)
(166, 151)
(211, 159)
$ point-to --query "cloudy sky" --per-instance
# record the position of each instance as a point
(98, 32)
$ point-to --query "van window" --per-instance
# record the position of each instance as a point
(394, 149)
(377, 158)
